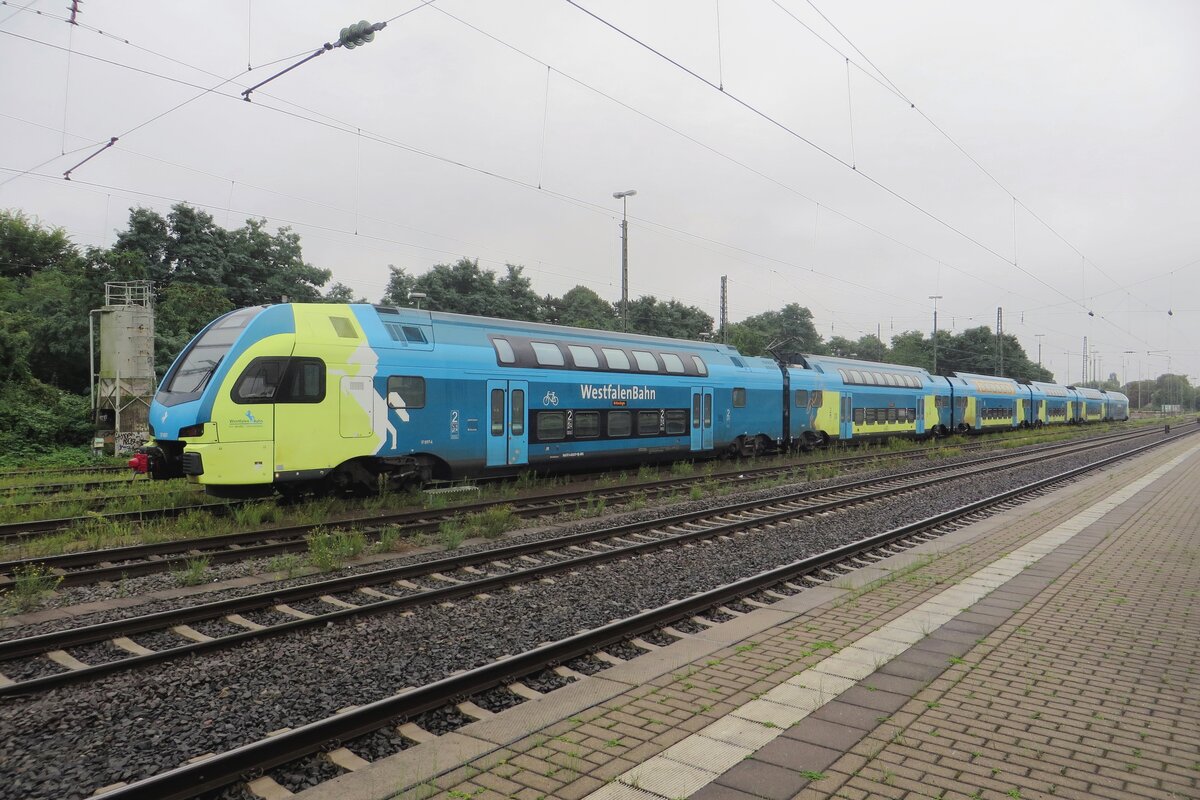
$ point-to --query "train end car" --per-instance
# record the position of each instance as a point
(293, 396)
(1116, 406)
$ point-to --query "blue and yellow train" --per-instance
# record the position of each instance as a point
(294, 396)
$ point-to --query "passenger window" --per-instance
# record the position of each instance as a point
(673, 363)
(584, 357)
(406, 392)
(645, 361)
(676, 422)
(547, 354)
(504, 351)
(497, 412)
(260, 381)
(414, 334)
(619, 424)
(891, 415)
(517, 424)
(551, 426)
(818, 397)
(858, 416)
(304, 382)
(701, 367)
(739, 398)
(647, 423)
(801, 398)
(616, 359)
(869, 414)
(695, 411)
(587, 424)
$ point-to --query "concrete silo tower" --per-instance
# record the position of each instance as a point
(124, 383)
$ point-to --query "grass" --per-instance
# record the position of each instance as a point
(30, 585)
(193, 572)
(487, 524)
(329, 550)
(288, 564)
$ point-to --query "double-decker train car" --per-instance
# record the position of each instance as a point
(298, 396)
(291, 394)
(994, 403)
(871, 400)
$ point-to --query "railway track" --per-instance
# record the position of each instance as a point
(255, 758)
(14, 532)
(283, 610)
(111, 564)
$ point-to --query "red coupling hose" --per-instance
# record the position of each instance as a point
(140, 463)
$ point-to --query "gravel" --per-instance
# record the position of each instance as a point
(625, 650)
(546, 681)
(378, 744)
(497, 699)
(78, 595)
(659, 637)
(216, 628)
(305, 773)
(160, 640)
(67, 742)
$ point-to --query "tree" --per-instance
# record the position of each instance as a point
(341, 293)
(911, 348)
(650, 316)
(791, 329)
(461, 287)
(516, 297)
(399, 285)
(27, 247)
(582, 308)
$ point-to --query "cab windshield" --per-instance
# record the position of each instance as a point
(200, 361)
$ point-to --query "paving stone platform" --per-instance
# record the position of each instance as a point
(1049, 651)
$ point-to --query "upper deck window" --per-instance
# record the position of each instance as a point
(645, 361)
(673, 363)
(584, 357)
(701, 367)
(547, 354)
(504, 351)
(616, 358)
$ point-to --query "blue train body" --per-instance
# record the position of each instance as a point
(282, 396)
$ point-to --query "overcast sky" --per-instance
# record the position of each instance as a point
(500, 130)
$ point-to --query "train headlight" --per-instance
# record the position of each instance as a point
(192, 431)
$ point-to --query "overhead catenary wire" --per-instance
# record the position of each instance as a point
(954, 141)
(897, 241)
(824, 151)
(346, 127)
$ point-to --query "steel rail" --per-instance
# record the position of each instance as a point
(19, 530)
(220, 770)
(35, 645)
(130, 561)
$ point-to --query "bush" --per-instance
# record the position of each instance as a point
(36, 418)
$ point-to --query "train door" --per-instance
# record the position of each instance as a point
(847, 420)
(920, 409)
(702, 419)
(508, 437)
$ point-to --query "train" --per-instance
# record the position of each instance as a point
(294, 397)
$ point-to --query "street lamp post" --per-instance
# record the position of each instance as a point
(1039, 337)
(935, 298)
(624, 198)
(418, 296)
